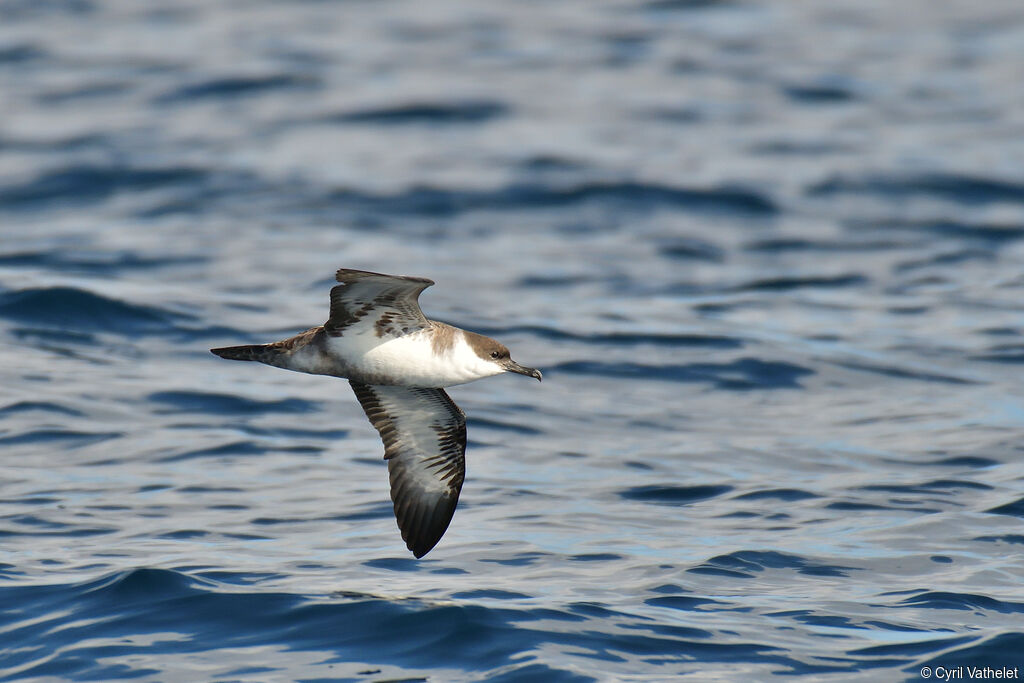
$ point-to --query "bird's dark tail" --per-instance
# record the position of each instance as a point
(257, 352)
(275, 353)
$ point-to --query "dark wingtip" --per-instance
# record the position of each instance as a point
(423, 523)
(421, 541)
(420, 546)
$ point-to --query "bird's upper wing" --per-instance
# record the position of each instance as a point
(424, 436)
(388, 303)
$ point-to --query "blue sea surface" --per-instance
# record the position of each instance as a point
(768, 255)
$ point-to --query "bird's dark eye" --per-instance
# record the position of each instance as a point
(494, 354)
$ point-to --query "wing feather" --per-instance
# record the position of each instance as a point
(387, 302)
(424, 435)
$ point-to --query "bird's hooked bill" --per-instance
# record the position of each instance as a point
(513, 366)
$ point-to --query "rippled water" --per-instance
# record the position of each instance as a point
(769, 257)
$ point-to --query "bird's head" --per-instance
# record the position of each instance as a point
(492, 351)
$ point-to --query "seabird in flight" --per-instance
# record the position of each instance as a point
(397, 362)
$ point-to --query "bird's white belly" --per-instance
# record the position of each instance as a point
(406, 361)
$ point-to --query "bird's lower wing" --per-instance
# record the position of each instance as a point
(424, 435)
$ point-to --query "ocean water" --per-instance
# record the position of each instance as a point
(769, 256)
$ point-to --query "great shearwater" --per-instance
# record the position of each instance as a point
(397, 362)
